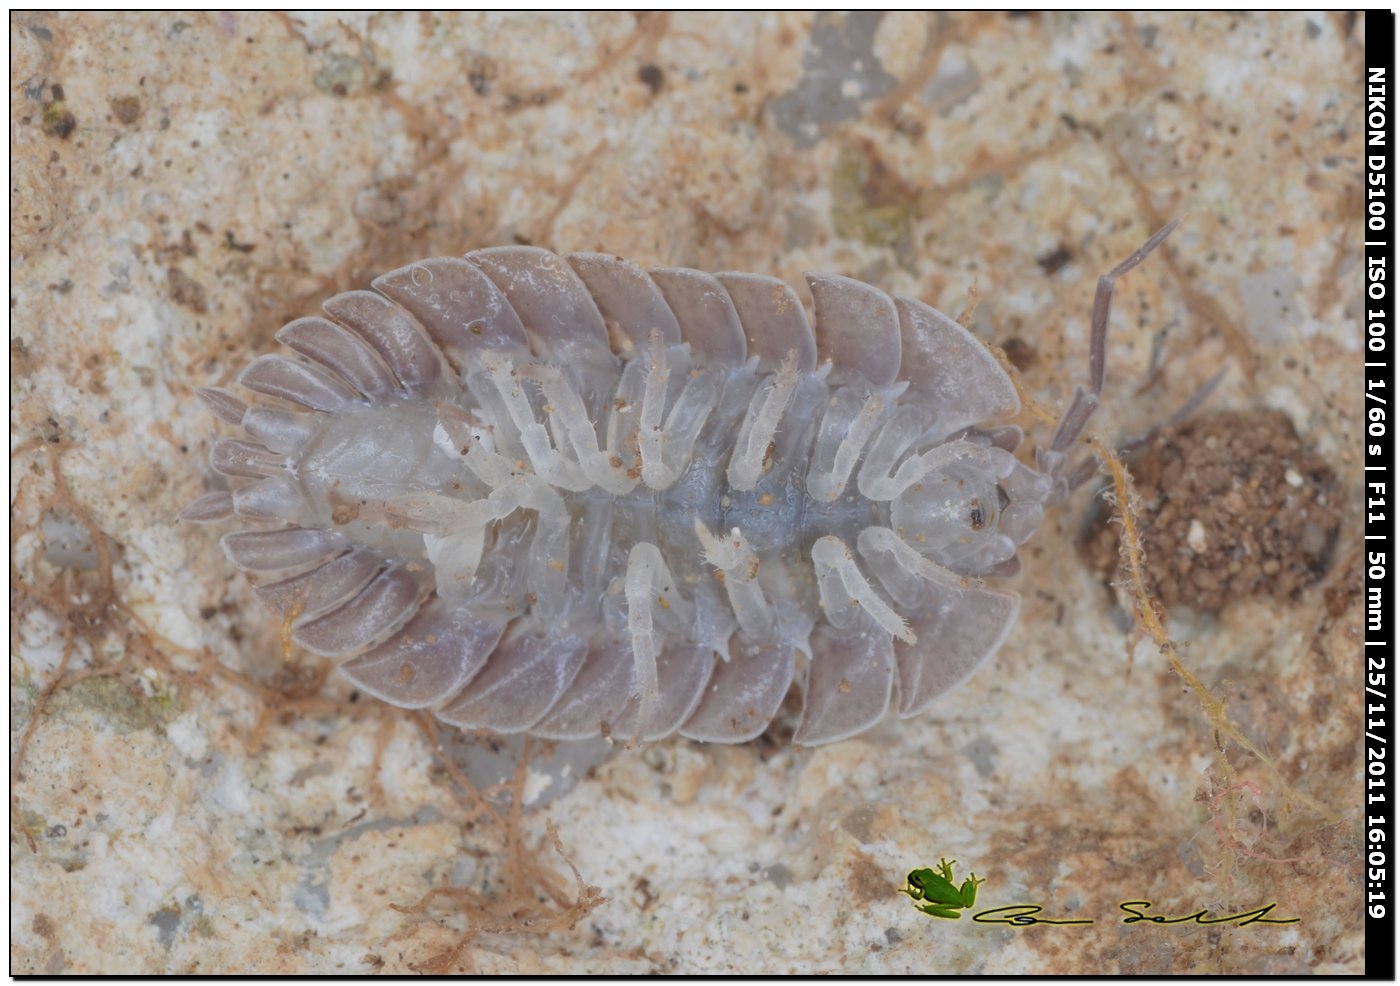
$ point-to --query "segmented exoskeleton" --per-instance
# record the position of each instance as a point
(563, 495)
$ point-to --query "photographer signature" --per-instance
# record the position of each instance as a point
(1024, 915)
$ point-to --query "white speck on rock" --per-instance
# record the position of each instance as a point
(230, 791)
(188, 738)
(535, 783)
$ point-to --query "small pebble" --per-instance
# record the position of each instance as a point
(1196, 537)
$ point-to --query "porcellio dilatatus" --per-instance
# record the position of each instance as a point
(566, 496)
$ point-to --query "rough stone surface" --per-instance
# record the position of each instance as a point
(182, 184)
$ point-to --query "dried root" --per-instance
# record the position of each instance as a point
(535, 900)
(1149, 616)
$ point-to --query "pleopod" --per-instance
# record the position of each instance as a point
(566, 496)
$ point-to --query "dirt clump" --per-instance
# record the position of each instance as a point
(1232, 504)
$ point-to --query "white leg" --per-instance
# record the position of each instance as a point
(843, 587)
(760, 426)
(881, 541)
(736, 560)
(830, 483)
(648, 583)
(570, 419)
(474, 447)
(549, 464)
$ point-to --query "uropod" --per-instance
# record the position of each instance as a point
(566, 496)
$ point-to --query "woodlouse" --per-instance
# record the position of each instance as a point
(567, 496)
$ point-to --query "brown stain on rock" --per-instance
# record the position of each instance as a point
(866, 881)
(127, 109)
(186, 291)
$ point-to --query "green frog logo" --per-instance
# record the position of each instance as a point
(941, 897)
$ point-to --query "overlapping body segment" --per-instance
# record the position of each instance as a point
(564, 495)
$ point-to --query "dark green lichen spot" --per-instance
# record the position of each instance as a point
(339, 75)
(58, 121)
